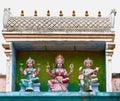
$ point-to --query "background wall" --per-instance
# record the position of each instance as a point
(75, 57)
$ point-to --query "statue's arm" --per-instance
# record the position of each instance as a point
(93, 76)
(35, 73)
(95, 71)
(71, 69)
(50, 73)
(24, 72)
(68, 74)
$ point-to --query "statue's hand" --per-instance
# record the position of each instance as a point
(81, 77)
(71, 70)
(93, 76)
(33, 75)
(80, 68)
(59, 79)
(71, 66)
(47, 70)
(47, 67)
(97, 68)
(21, 69)
(24, 72)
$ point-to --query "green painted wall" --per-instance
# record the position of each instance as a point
(75, 57)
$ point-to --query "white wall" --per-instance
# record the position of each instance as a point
(67, 6)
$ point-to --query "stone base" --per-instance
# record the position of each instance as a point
(36, 87)
(95, 87)
(59, 96)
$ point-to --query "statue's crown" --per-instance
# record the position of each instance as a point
(59, 59)
(30, 60)
(88, 61)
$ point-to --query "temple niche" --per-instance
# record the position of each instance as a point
(76, 38)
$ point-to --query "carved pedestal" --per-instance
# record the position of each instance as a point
(35, 85)
(95, 87)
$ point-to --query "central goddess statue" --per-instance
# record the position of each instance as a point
(59, 74)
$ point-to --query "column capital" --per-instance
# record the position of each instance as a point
(7, 49)
(110, 48)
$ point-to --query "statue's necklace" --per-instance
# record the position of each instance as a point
(59, 71)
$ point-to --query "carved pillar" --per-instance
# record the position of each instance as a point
(109, 52)
(108, 73)
(8, 52)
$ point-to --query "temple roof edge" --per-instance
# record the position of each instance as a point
(58, 23)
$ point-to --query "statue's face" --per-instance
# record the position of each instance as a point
(59, 65)
(29, 64)
(88, 65)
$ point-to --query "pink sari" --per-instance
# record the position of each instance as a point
(56, 84)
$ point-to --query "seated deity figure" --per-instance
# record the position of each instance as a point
(30, 72)
(59, 74)
(88, 76)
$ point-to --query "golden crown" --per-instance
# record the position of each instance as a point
(88, 61)
(30, 60)
(59, 59)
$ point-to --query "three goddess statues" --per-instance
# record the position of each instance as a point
(59, 75)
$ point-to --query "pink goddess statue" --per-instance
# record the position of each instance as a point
(59, 74)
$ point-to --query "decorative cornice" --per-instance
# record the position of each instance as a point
(62, 24)
(109, 37)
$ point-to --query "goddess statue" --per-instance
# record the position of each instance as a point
(59, 74)
(88, 76)
(30, 72)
